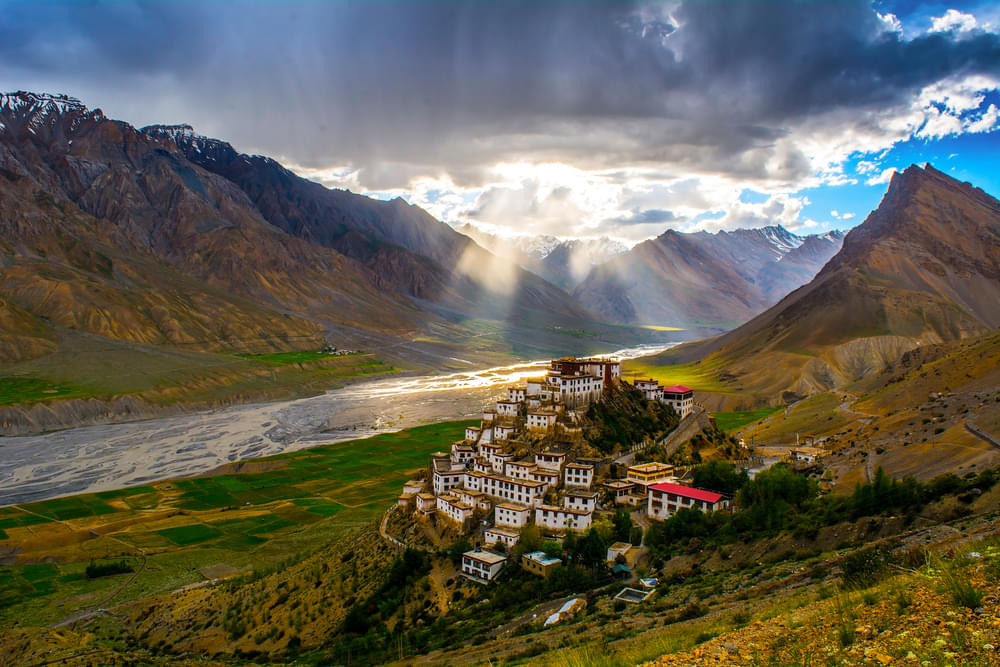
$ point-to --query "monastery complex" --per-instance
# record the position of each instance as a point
(520, 466)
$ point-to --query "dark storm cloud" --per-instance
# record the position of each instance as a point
(432, 87)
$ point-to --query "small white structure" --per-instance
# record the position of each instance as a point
(621, 491)
(426, 503)
(413, 487)
(649, 473)
(550, 460)
(489, 415)
(445, 478)
(502, 535)
(519, 469)
(541, 420)
(665, 499)
(650, 389)
(578, 474)
(450, 506)
(521, 491)
(585, 501)
(474, 498)
(549, 478)
(511, 516)
(462, 453)
(482, 566)
(619, 549)
(504, 431)
(561, 518)
(516, 394)
(508, 408)
(680, 398)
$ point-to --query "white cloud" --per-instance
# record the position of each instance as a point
(953, 20)
(841, 216)
(882, 178)
(891, 21)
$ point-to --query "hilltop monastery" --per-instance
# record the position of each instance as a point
(545, 484)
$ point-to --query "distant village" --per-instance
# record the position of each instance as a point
(504, 469)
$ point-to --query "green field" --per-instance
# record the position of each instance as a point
(730, 421)
(700, 377)
(86, 366)
(294, 504)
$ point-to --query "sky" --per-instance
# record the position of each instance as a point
(576, 118)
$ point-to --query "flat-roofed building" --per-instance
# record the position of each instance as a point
(482, 566)
(504, 536)
(550, 478)
(504, 431)
(520, 469)
(665, 499)
(650, 389)
(446, 477)
(562, 518)
(520, 491)
(462, 453)
(508, 408)
(578, 474)
(649, 473)
(516, 394)
(511, 515)
(622, 491)
(475, 498)
(580, 500)
(541, 420)
(426, 503)
(450, 506)
(550, 460)
(537, 562)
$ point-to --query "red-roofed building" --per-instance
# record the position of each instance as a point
(665, 499)
(679, 397)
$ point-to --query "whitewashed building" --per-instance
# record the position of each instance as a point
(508, 408)
(482, 566)
(585, 501)
(450, 506)
(541, 420)
(504, 536)
(511, 515)
(680, 398)
(665, 499)
(519, 469)
(578, 474)
(521, 491)
(562, 518)
(550, 460)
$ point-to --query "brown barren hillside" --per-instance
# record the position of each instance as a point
(923, 268)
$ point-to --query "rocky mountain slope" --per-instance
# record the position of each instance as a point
(405, 248)
(678, 278)
(158, 236)
(924, 267)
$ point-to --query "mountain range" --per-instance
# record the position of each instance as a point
(923, 268)
(159, 236)
(726, 277)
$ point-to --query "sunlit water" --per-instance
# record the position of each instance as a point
(97, 458)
